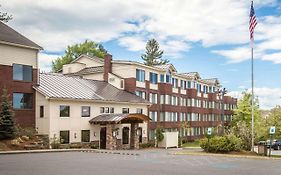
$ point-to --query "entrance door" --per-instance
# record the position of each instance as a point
(140, 136)
(103, 138)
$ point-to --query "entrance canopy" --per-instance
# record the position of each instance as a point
(119, 118)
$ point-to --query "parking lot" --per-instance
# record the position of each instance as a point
(146, 162)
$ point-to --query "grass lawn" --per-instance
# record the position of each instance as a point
(191, 144)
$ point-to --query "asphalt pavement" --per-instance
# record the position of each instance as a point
(150, 162)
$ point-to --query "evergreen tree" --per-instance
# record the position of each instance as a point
(72, 52)
(159, 135)
(153, 54)
(7, 124)
(4, 17)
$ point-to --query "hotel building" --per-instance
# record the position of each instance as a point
(181, 102)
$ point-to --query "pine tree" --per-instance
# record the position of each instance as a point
(4, 17)
(7, 124)
(153, 54)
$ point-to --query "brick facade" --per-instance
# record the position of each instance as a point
(167, 89)
(24, 117)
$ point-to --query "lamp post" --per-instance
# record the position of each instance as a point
(221, 92)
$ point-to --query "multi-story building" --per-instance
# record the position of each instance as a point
(75, 110)
(18, 73)
(181, 102)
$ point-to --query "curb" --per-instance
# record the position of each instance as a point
(226, 155)
(66, 150)
(46, 151)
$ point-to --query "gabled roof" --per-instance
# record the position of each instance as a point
(119, 118)
(101, 60)
(211, 81)
(166, 67)
(90, 70)
(193, 75)
(58, 86)
(10, 36)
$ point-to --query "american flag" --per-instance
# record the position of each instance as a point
(252, 22)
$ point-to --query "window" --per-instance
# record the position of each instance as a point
(174, 100)
(64, 137)
(162, 99)
(125, 110)
(141, 94)
(140, 75)
(85, 136)
(153, 98)
(175, 82)
(183, 84)
(64, 111)
(41, 111)
(125, 135)
(153, 77)
(188, 84)
(22, 101)
(162, 116)
(111, 110)
(22, 72)
(101, 110)
(106, 110)
(168, 78)
(162, 78)
(122, 84)
(86, 111)
(139, 110)
(198, 87)
(153, 116)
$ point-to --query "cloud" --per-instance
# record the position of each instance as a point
(176, 24)
(133, 43)
(268, 40)
(45, 61)
(275, 57)
(268, 97)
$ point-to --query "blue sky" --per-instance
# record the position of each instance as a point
(210, 37)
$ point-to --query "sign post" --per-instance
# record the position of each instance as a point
(271, 132)
(209, 133)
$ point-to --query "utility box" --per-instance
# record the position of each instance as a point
(171, 139)
(262, 149)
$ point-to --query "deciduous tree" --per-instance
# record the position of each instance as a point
(242, 120)
(72, 52)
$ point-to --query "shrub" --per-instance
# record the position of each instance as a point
(221, 144)
(94, 145)
(55, 142)
(28, 132)
(146, 145)
(75, 145)
(159, 135)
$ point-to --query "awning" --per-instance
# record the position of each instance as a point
(119, 118)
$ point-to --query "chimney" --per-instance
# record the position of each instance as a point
(107, 66)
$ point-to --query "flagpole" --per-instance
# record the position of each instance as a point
(252, 60)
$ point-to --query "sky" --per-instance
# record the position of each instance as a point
(207, 36)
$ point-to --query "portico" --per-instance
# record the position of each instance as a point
(120, 131)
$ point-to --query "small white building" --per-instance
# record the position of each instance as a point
(82, 110)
